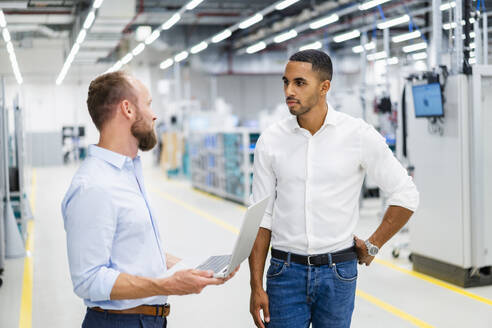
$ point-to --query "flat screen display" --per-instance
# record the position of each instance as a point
(427, 100)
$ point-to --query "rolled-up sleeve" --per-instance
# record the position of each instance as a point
(388, 173)
(264, 181)
(90, 224)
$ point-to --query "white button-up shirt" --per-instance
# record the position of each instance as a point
(317, 179)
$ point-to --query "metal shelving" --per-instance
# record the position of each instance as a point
(222, 162)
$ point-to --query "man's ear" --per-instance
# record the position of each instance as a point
(325, 87)
(126, 109)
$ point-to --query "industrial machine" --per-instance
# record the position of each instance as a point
(448, 126)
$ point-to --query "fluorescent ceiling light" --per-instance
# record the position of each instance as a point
(406, 36)
(118, 65)
(166, 63)
(415, 47)
(10, 47)
(75, 49)
(393, 22)
(81, 36)
(71, 55)
(472, 45)
(256, 47)
(193, 4)
(13, 61)
(369, 46)
(3, 22)
(392, 61)
(89, 20)
(377, 55)
(284, 4)
(324, 21)
(181, 56)
(463, 36)
(143, 32)
(222, 36)
(171, 21)
(285, 36)
(127, 58)
(138, 49)
(251, 21)
(371, 4)
(450, 25)
(447, 5)
(6, 35)
(419, 55)
(472, 54)
(97, 4)
(471, 61)
(199, 47)
(151, 38)
(314, 45)
(346, 36)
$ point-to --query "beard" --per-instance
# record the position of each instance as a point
(301, 111)
(146, 137)
(304, 107)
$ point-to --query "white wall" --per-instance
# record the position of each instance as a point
(48, 107)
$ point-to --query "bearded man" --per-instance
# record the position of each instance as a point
(116, 259)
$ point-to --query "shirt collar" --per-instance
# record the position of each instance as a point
(330, 119)
(109, 156)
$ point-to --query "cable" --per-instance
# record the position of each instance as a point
(411, 24)
(404, 123)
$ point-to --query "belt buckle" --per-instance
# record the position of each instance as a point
(309, 260)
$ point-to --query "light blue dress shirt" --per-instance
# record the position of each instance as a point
(110, 228)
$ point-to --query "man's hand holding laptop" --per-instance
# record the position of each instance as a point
(193, 281)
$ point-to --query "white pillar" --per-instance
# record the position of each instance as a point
(436, 38)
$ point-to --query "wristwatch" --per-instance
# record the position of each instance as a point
(371, 249)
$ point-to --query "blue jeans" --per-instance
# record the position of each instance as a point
(95, 319)
(300, 294)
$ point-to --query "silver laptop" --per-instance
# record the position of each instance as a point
(224, 265)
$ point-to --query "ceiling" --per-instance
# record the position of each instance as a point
(113, 31)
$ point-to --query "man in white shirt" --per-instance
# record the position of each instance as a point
(315, 163)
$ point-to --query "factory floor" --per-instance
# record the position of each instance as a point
(37, 291)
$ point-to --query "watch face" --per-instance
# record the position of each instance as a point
(373, 250)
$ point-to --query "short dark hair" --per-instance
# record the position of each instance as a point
(105, 92)
(321, 62)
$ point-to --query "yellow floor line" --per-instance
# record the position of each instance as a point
(196, 210)
(32, 196)
(434, 281)
(393, 310)
(217, 198)
(202, 192)
(399, 313)
(385, 263)
(25, 319)
(25, 316)
(208, 195)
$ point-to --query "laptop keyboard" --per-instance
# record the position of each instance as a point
(215, 263)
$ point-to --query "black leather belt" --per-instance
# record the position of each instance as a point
(319, 259)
